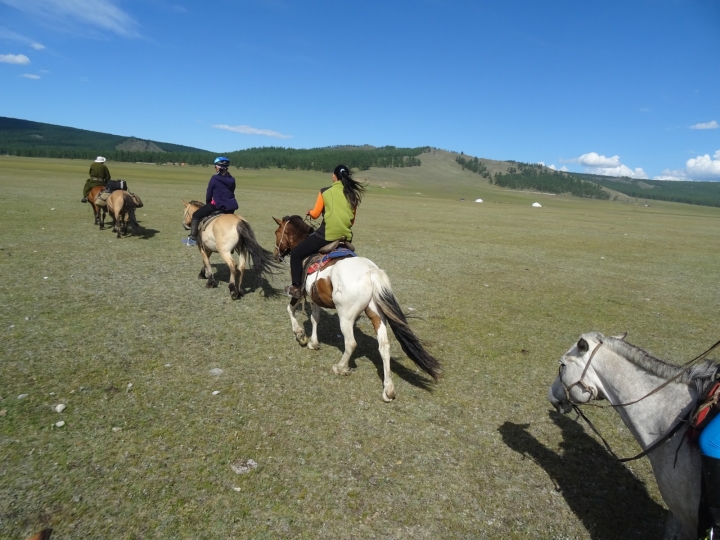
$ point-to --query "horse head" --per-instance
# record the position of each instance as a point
(190, 208)
(577, 381)
(290, 232)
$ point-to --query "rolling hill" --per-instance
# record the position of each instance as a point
(440, 167)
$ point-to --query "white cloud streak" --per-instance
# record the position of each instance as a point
(706, 125)
(249, 130)
(99, 14)
(19, 59)
(31, 76)
(595, 163)
(37, 46)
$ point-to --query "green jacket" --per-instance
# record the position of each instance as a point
(339, 214)
(99, 170)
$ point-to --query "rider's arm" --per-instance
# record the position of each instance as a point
(319, 205)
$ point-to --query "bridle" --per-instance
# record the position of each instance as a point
(186, 214)
(593, 394)
(283, 254)
(278, 244)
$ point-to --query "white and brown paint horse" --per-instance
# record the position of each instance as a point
(225, 234)
(609, 368)
(352, 286)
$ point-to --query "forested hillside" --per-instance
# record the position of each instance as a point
(703, 193)
(535, 177)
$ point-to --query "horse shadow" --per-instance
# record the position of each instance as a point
(609, 500)
(329, 333)
(250, 282)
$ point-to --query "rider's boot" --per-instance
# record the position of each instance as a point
(192, 239)
(711, 482)
(294, 291)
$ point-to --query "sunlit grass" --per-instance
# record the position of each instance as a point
(500, 291)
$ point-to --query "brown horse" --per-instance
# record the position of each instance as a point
(352, 286)
(98, 211)
(225, 234)
(121, 207)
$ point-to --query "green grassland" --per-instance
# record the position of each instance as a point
(499, 291)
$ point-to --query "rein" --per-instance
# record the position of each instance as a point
(593, 394)
(283, 254)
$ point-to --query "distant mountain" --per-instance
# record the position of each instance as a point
(16, 133)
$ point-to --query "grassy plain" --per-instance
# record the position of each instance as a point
(500, 291)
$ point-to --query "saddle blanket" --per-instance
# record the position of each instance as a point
(340, 253)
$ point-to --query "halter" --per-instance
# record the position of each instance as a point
(593, 395)
(187, 212)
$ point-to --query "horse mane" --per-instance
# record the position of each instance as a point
(197, 203)
(298, 222)
(700, 375)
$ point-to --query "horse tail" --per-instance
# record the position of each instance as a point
(262, 259)
(409, 341)
(130, 205)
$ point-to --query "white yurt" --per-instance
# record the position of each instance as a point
(478, 200)
(537, 205)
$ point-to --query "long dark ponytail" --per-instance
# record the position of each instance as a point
(352, 189)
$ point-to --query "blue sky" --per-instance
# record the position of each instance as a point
(614, 87)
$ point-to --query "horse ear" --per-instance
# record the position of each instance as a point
(278, 221)
(621, 337)
(583, 346)
(185, 203)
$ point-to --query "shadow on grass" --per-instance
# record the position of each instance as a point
(329, 334)
(146, 234)
(249, 283)
(610, 501)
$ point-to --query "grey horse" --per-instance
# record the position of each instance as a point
(602, 367)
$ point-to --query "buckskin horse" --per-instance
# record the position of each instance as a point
(224, 234)
(121, 206)
(653, 398)
(352, 286)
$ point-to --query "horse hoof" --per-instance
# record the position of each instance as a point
(388, 397)
(338, 371)
(315, 346)
(302, 340)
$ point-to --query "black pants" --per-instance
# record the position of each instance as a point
(305, 248)
(203, 212)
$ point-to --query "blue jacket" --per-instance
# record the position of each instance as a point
(221, 193)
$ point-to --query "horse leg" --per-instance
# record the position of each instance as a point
(314, 344)
(211, 283)
(119, 225)
(380, 324)
(347, 325)
(296, 328)
(233, 285)
(101, 217)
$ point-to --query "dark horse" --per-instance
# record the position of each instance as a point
(98, 211)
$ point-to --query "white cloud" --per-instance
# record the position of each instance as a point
(37, 46)
(595, 163)
(706, 125)
(703, 167)
(248, 130)
(99, 14)
(19, 59)
(30, 76)
(646, 109)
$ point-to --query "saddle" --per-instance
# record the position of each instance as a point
(706, 409)
(208, 220)
(102, 197)
(114, 185)
(332, 246)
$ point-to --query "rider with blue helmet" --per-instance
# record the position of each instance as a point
(220, 197)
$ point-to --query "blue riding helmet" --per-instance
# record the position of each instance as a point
(222, 162)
